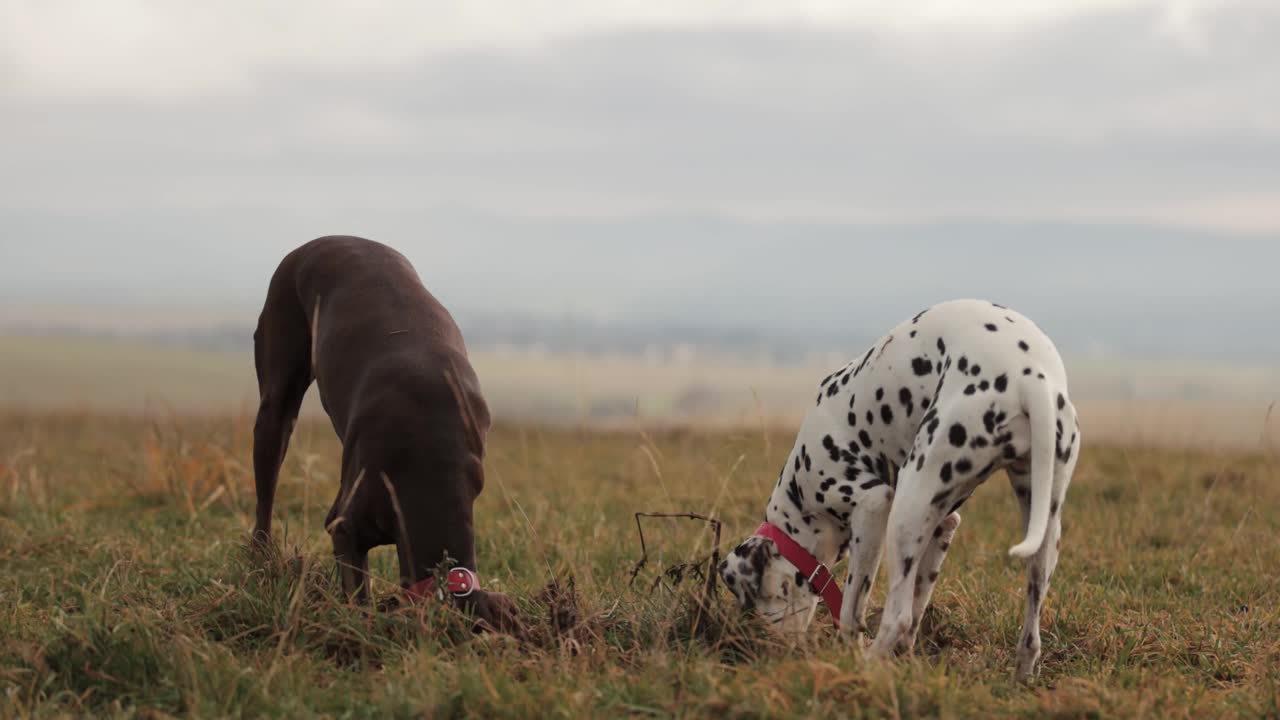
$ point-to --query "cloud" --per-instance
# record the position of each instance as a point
(1146, 112)
(139, 48)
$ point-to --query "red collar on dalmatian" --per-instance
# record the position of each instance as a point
(821, 580)
(461, 583)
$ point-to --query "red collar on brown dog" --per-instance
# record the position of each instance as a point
(461, 583)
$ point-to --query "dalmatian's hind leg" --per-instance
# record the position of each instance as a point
(930, 568)
(867, 523)
(912, 521)
(1040, 566)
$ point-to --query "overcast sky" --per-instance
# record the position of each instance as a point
(1166, 112)
(150, 149)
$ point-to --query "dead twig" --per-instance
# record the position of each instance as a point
(677, 573)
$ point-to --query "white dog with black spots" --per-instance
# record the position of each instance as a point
(895, 444)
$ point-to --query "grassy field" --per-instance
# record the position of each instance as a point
(126, 590)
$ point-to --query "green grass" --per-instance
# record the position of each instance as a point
(125, 589)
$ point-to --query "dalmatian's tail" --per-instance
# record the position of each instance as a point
(1038, 397)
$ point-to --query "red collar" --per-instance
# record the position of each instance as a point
(821, 581)
(461, 582)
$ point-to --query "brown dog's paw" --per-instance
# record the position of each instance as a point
(265, 551)
(495, 612)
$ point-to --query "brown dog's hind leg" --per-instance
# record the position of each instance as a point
(282, 354)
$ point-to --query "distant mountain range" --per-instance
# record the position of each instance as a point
(779, 290)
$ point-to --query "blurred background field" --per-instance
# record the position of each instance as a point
(1171, 404)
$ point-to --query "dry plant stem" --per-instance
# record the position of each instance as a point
(342, 517)
(648, 450)
(404, 529)
(13, 470)
(709, 590)
(307, 464)
(292, 616)
(346, 504)
(1264, 440)
(315, 334)
(464, 406)
(528, 523)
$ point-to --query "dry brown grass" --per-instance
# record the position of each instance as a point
(126, 590)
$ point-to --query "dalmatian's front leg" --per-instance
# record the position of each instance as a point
(867, 524)
(930, 567)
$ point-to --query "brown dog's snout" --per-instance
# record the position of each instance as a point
(494, 612)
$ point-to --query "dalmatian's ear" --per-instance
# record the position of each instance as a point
(743, 570)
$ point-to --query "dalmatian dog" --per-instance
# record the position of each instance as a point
(896, 442)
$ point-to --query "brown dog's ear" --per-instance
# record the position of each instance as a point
(494, 612)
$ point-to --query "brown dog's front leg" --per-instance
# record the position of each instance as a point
(353, 564)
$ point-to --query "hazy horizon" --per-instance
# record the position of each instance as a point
(788, 289)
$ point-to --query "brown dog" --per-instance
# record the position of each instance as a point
(394, 378)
